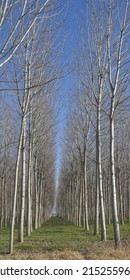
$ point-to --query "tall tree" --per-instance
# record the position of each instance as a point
(118, 81)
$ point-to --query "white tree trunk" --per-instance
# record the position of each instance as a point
(5, 201)
(128, 183)
(36, 195)
(30, 171)
(113, 184)
(99, 162)
(28, 229)
(86, 190)
(23, 185)
(15, 191)
(80, 202)
(96, 220)
(2, 206)
(129, 197)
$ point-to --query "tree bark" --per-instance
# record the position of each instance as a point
(96, 220)
(113, 184)
(36, 195)
(15, 190)
(85, 189)
(22, 204)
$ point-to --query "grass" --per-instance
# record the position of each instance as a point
(58, 235)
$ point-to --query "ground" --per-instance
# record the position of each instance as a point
(60, 240)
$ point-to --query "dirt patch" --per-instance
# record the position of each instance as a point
(110, 254)
(56, 255)
(105, 251)
(102, 252)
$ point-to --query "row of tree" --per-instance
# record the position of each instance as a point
(94, 181)
(28, 71)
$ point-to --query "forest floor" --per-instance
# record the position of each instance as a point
(58, 239)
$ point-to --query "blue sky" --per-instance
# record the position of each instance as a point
(70, 30)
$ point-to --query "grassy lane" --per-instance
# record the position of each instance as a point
(58, 239)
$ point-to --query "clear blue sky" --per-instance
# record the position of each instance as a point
(70, 30)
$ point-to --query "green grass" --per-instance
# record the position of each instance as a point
(58, 234)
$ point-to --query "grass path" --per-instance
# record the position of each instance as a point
(59, 239)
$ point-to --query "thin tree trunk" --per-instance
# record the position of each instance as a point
(120, 198)
(129, 197)
(29, 187)
(40, 201)
(128, 182)
(86, 189)
(36, 195)
(109, 201)
(80, 202)
(5, 202)
(83, 199)
(96, 220)
(102, 211)
(77, 199)
(28, 229)
(15, 191)
(2, 207)
(113, 184)
(22, 206)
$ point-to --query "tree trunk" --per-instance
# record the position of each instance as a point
(128, 182)
(120, 198)
(80, 202)
(2, 207)
(36, 195)
(96, 220)
(15, 191)
(99, 162)
(86, 189)
(129, 197)
(29, 186)
(22, 203)
(5, 201)
(113, 184)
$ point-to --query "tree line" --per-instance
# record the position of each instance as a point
(28, 74)
(94, 183)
